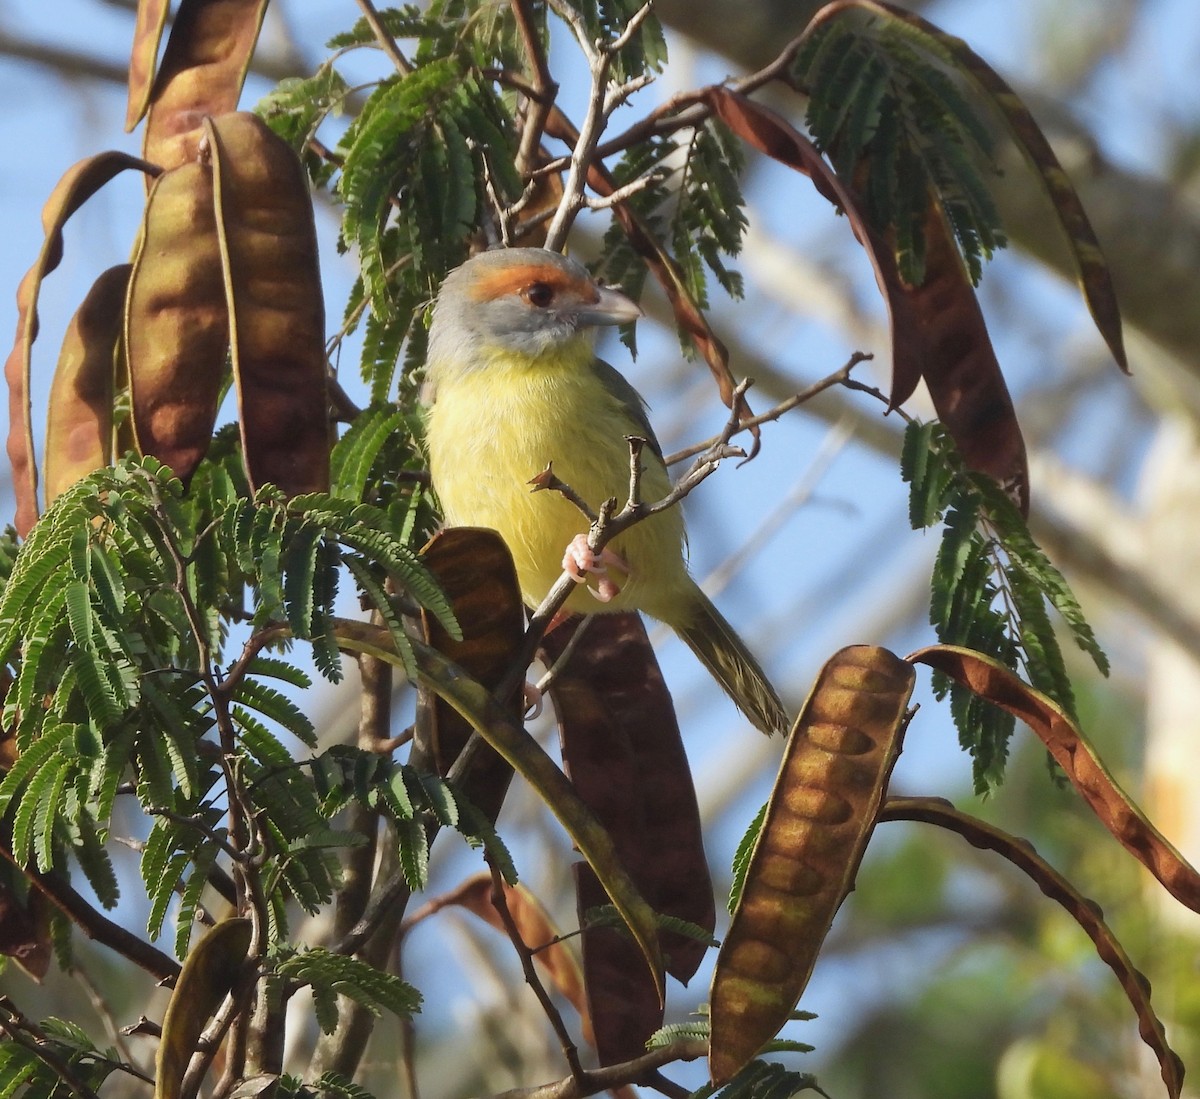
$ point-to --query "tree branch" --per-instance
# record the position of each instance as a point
(612, 1076)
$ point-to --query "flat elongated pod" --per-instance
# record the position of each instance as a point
(277, 311)
(210, 972)
(79, 424)
(821, 813)
(176, 321)
(202, 72)
(78, 184)
(143, 56)
(475, 570)
(622, 748)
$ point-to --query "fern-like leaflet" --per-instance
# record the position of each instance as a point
(990, 588)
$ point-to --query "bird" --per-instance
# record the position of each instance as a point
(513, 386)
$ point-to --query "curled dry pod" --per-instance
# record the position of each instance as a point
(211, 971)
(176, 322)
(79, 425)
(78, 184)
(147, 34)
(277, 311)
(831, 783)
(202, 72)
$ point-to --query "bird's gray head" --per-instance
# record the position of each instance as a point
(522, 301)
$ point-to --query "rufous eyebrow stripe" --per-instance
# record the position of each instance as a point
(490, 285)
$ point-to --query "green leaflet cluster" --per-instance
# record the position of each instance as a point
(607, 19)
(759, 1079)
(697, 206)
(411, 800)
(889, 109)
(332, 975)
(411, 171)
(27, 1062)
(989, 592)
(115, 623)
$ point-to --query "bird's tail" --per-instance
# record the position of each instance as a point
(724, 654)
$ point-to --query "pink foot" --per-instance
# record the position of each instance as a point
(581, 561)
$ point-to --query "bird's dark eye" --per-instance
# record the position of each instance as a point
(538, 294)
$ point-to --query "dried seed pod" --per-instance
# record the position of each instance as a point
(79, 424)
(277, 311)
(822, 810)
(202, 72)
(78, 184)
(176, 321)
(147, 33)
(210, 972)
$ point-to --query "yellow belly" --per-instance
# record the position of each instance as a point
(491, 430)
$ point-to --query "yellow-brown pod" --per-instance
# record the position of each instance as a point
(202, 72)
(143, 56)
(176, 322)
(277, 311)
(831, 783)
(79, 424)
(78, 184)
(209, 974)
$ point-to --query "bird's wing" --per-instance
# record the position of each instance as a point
(630, 399)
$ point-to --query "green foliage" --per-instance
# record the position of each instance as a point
(297, 107)
(741, 857)
(331, 975)
(412, 182)
(762, 1080)
(888, 107)
(411, 801)
(115, 622)
(697, 206)
(35, 1064)
(989, 592)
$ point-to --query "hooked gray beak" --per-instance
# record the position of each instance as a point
(611, 307)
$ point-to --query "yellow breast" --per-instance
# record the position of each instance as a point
(490, 430)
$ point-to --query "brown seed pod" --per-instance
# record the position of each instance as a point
(277, 311)
(79, 424)
(143, 56)
(831, 782)
(176, 321)
(78, 184)
(202, 72)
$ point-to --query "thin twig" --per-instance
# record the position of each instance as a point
(838, 377)
(500, 903)
(613, 1076)
(24, 1033)
(543, 684)
(621, 194)
(602, 101)
(540, 96)
(383, 36)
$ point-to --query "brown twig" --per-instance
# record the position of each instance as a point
(97, 927)
(602, 101)
(612, 1076)
(500, 903)
(383, 36)
(541, 92)
(838, 377)
(24, 1033)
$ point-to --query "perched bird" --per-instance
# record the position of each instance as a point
(512, 385)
